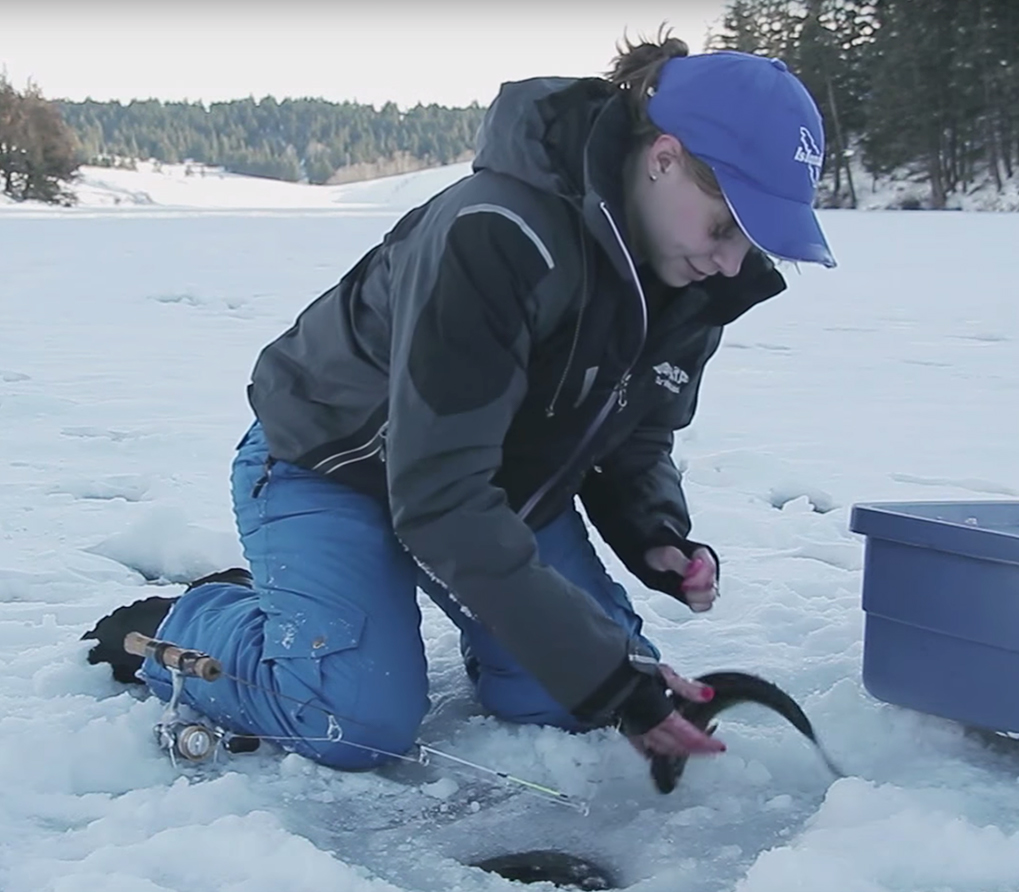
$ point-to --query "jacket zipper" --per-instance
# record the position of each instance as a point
(618, 396)
(264, 479)
(623, 384)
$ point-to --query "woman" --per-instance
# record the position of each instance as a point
(535, 332)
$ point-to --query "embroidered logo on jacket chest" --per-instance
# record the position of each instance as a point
(670, 376)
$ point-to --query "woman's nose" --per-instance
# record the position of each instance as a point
(729, 257)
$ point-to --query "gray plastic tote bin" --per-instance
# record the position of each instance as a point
(941, 601)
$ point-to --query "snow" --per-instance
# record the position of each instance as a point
(908, 187)
(127, 333)
(904, 190)
(196, 186)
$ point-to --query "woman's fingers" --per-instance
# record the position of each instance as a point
(675, 736)
(700, 582)
(701, 572)
(685, 687)
(665, 558)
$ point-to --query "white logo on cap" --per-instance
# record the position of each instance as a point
(810, 154)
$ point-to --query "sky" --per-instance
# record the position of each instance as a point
(451, 52)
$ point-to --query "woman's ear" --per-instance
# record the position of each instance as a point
(665, 152)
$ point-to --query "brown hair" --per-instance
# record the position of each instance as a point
(635, 70)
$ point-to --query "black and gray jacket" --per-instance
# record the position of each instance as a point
(496, 355)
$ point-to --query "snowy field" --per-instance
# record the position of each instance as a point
(155, 186)
(127, 333)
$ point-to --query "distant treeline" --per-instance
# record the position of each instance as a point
(931, 85)
(296, 139)
(926, 86)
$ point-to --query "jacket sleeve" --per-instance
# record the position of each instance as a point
(462, 338)
(635, 499)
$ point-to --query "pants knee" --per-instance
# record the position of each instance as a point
(525, 703)
(360, 720)
(357, 746)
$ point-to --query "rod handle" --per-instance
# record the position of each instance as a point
(187, 662)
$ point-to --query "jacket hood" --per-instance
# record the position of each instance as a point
(510, 138)
(561, 135)
(568, 137)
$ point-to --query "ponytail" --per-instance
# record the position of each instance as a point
(636, 68)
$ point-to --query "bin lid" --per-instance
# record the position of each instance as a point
(987, 530)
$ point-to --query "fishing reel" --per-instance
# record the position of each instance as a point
(190, 739)
(195, 741)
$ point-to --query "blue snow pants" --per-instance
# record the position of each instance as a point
(330, 634)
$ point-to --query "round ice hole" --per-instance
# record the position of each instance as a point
(549, 866)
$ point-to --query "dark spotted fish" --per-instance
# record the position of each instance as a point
(548, 866)
(731, 689)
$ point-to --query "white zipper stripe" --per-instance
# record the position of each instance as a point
(350, 461)
(370, 444)
(516, 218)
(633, 270)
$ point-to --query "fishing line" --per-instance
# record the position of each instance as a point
(183, 664)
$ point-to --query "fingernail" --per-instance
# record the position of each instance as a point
(707, 693)
(694, 566)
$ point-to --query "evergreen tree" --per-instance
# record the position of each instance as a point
(944, 91)
(931, 85)
(38, 152)
(11, 128)
(996, 83)
(762, 27)
(829, 57)
(911, 116)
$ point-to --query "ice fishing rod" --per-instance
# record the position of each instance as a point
(195, 740)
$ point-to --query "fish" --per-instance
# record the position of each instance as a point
(731, 689)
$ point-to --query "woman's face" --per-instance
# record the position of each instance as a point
(684, 233)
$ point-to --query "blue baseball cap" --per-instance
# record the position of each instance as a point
(755, 125)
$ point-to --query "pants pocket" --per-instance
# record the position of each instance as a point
(313, 655)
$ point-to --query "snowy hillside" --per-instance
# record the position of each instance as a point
(127, 334)
(195, 186)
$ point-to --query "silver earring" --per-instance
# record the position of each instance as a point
(653, 177)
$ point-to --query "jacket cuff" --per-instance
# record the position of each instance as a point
(668, 582)
(647, 706)
(603, 706)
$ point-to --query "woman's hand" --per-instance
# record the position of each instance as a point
(700, 574)
(675, 736)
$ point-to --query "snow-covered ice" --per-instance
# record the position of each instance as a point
(127, 333)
